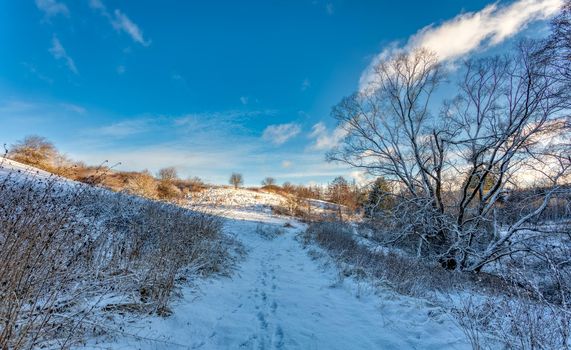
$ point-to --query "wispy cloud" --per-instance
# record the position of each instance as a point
(126, 128)
(121, 22)
(325, 139)
(244, 100)
(360, 177)
(305, 84)
(211, 145)
(58, 51)
(329, 8)
(223, 123)
(470, 32)
(74, 108)
(52, 8)
(35, 72)
(279, 134)
(97, 5)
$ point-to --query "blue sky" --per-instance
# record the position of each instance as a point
(214, 87)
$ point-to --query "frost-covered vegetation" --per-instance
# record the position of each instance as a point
(524, 307)
(75, 255)
(468, 218)
(471, 206)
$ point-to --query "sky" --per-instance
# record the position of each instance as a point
(215, 87)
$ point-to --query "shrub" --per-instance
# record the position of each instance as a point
(65, 247)
(142, 184)
(34, 150)
(168, 191)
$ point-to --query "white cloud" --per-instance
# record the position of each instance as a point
(52, 8)
(472, 31)
(325, 140)
(123, 23)
(120, 22)
(97, 5)
(126, 128)
(359, 176)
(286, 164)
(59, 53)
(74, 108)
(279, 134)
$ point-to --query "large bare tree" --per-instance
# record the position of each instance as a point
(507, 125)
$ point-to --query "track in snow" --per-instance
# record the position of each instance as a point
(282, 299)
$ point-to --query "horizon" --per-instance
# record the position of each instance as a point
(220, 87)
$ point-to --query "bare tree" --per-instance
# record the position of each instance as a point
(453, 168)
(269, 181)
(558, 46)
(236, 180)
(34, 150)
(168, 174)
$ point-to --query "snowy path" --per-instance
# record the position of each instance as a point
(282, 299)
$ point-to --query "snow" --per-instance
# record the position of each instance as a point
(8, 166)
(280, 297)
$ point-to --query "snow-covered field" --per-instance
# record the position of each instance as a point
(8, 165)
(282, 298)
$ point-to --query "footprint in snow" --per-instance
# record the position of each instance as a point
(262, 319)
(279, 337)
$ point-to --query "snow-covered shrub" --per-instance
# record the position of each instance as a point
(516, 311)
(269, 232)
(406, 275)
(68, 250)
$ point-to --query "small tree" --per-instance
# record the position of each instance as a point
(338, 190)
(34, 150)
(269, 181)
(236, 180)
(168, 174)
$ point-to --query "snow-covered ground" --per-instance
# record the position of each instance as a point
(282, 298)
(8, 166)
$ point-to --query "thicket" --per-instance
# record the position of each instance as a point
(71, 254)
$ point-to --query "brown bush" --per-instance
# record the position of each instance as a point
(36, 151)
(142, 184)
(168, 191)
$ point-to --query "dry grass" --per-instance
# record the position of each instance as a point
(510, 313)
(69, 251)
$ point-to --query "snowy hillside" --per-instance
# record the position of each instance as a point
(78, 256)
(8, 165)
(230, 200)
(284, 297)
